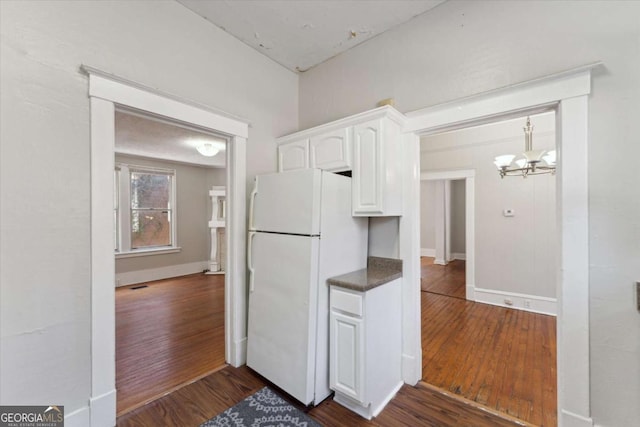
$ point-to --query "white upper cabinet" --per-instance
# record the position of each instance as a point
(293, 155)
(377, 173)
(367, 144)
(331, 151)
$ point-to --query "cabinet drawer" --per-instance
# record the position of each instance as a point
(346, 302)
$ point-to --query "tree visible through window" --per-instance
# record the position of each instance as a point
(149, 221)
(150, 210)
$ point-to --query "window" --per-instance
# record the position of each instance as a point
(144, 210)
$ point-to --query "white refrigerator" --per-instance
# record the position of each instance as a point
(301, 233)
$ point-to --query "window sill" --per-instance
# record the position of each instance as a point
(147, 252)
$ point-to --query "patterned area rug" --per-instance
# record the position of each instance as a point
(264, 408)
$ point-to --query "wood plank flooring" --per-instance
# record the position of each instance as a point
(447, 279)
(202, 400)
(479, 354)
(167, 334)
(502, 358)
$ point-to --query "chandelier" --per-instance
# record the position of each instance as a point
(532, 162)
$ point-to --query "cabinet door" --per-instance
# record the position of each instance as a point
(331, 151)
(368, 165)
(347, 350)
(293, 155)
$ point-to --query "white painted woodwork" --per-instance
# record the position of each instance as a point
(447, 221)
(365, 350)
(441, 226)
(331, 151)
(372, 142)
(470, 222)
(347, 362)
(105, 91)
(567, 92)
(377, 169)
(293, 155)
(216, 226)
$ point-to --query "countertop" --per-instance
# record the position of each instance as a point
(378, 272)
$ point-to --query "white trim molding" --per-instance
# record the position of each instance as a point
(532, 303)
(430, 252)
(469, 220)
(106, 92)
(167, 272)
(567, 93)
(78, 418)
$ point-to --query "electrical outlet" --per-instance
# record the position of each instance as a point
(507, 301)
(527, 303)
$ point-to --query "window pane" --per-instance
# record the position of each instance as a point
(149, 190)
(150, 228)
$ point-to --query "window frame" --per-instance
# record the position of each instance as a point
(122, 172)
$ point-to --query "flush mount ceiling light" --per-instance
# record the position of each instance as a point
(532, 162)
(207, 149)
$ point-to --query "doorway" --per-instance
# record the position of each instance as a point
(169, 311)
(472, 345)
(566, 93)
(106, 93)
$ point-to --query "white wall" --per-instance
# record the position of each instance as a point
(513, 254)
(463, 48)
(44, 174)
(427, 215)
(193, 214)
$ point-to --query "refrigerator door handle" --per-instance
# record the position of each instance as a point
(252, 234)
(252, 200)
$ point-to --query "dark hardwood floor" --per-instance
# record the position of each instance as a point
(167, 334)
(447, 279)
(501, 358)
(477, 359)
(413, 406)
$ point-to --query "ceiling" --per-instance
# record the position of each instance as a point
(149, 137)
(303, 33)
(297, 34)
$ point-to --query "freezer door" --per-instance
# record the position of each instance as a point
(281, 343)
(288, 202)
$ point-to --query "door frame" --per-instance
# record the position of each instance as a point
(567, 93)
(469, 176)
(107, 93)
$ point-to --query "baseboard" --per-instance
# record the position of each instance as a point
(569, 419)
(459, 255)
(353, 405)
(141, 276)
(238, 353)
(396, 389)
(411, 371)
(103, 410)
(439, 261)
(78, 418)
(428, 252)
(532, 303)
(470, 294)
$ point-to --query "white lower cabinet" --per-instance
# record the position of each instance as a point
(347, 340)
(365, 347)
